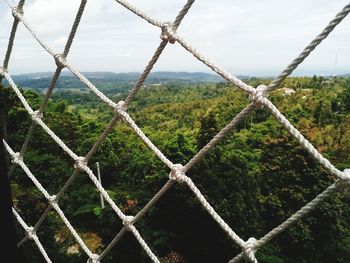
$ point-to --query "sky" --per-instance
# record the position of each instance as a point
(250, 37)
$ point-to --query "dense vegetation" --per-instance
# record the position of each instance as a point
(255, 179)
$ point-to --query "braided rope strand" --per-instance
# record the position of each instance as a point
(177, 174)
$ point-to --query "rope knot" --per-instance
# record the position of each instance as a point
(128, 222)
(30, 232)
(3, 72)
(80, 163)
(177, 173)
(250, 249)
(17, 158)
(120, 107)
(16, 12)
(60, 61)
(168, 32)
(344, 184)
(94, 258)
(36, 115)
(259, 95)
(53, 199)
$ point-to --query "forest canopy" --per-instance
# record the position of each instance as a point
(255, 179)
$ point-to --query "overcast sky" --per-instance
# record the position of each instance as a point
(250, 37)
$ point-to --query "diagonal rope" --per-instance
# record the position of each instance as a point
(51, 199)
(59, 59)
(182, 14)
(177, 174)
(304, 142)
(37, 119)
(18, 15)
(223, 73)
(139, 13)
(80, 164)
(312, 205)
(32, 235)
(170, 32)
(157, 54)
(313, 44)
(12, 37)
(212, 212)
(220, 136)
(54, 78)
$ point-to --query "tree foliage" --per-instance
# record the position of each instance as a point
(255, 179)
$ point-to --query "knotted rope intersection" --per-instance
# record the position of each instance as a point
(177, 174)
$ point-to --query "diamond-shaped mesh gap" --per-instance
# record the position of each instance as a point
(179, 214)
(177, 173)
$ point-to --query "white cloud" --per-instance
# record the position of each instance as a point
(245, 37)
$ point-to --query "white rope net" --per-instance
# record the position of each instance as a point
(258, 97)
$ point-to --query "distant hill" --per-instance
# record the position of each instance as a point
(41, 80)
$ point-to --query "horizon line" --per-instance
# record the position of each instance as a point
(257, 75)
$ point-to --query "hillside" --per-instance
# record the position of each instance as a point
(255, 179)
(109, 80)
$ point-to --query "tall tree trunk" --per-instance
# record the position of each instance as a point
(3, 124)
(8, 247)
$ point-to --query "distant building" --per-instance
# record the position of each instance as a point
(286, 91)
